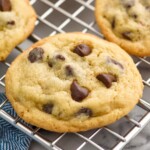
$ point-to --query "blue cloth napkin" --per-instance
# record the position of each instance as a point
(10, 137)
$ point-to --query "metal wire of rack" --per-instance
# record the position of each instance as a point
(59, 17)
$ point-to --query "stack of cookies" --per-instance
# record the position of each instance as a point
(74, 81)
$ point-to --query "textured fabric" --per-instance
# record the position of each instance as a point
(10, 137)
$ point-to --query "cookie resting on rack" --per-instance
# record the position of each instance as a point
(17, 19)
(126, 23)
(73, 82)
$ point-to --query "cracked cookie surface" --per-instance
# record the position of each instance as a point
(17, 19)
(126, 23)
(73, 82)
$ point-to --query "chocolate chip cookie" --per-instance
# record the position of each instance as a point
(73, 82)
(126, 23)
(17, 19)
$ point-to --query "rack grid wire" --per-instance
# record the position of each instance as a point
(60, 16)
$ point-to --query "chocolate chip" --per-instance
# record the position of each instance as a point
(110, 60)
(61, 57)
(82, 50)
(78, 93)
(127, 35)
(106, 79)
(148, 8)
(48, 108)
(113, 24)
(12, 22)
(86, 111)
(50, 64)
(129, 4)
(36, 54)
(5, 5)
(135, 16)
(69, 70)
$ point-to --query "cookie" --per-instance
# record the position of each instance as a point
(126, 23)
(17, 19)
(73, 82)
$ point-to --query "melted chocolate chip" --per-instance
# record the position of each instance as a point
(5, 5)
(135, 16)
(110, 60)
(148, 8)
(48, 108)
(69, 70)
(60, 57)
(78, 93)
(50, 64)
(86, 111)
(113, 24)
(106, 79)
(36, 54)
(82, 50)
(12, 22)
(127, 35)
(129, 4)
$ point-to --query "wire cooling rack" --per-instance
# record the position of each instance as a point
(59, 16)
